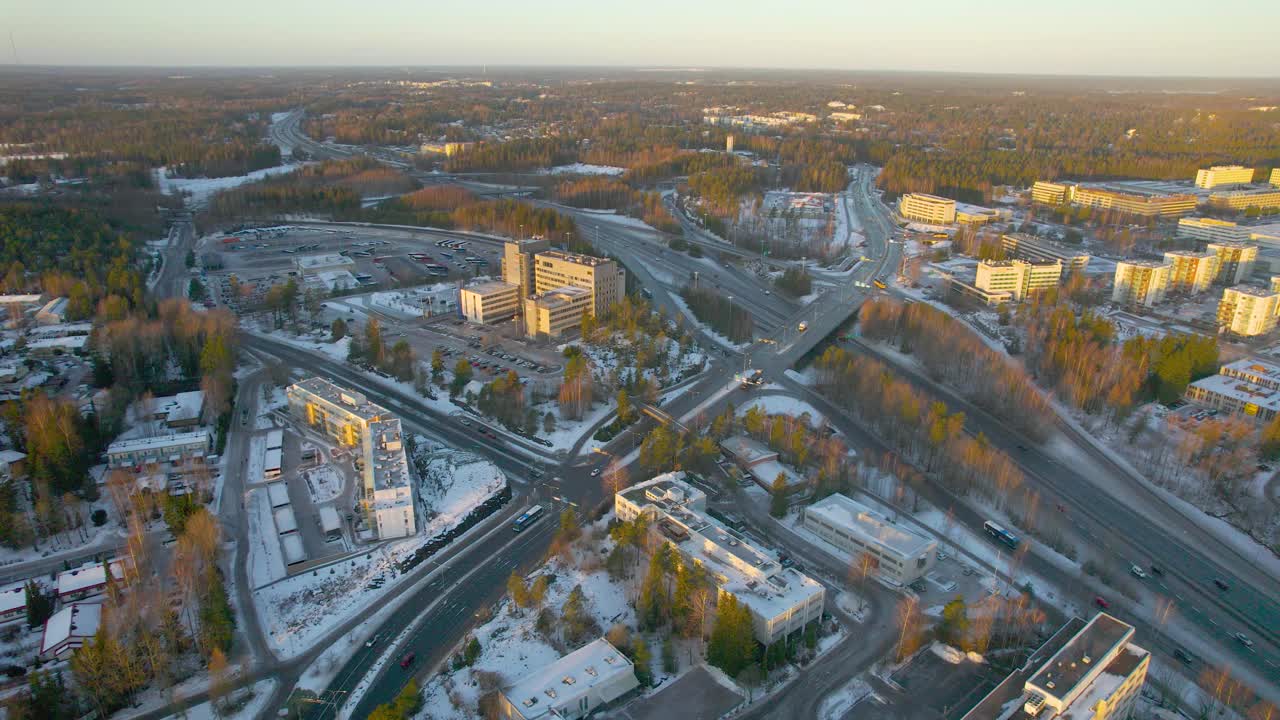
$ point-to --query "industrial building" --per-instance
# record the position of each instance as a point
(1220, 175)
(1234, 261)
(1035, 249)
(572, 687)
(897, 553)
(1191, 272)
(1088, 670)
(489, 302)
(555, 312)
(353, 421)
(1248, 311)
(781, 600)
(929, 209)
(1261, 198)
(1140, 282)
(1244, 387)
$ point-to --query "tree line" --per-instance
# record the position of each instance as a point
(729, 319)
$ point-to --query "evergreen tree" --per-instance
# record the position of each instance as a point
(732, 645)
(39, 604)
(778, 502)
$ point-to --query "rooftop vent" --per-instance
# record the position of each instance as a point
(1033, 705)
(568, 680)
(1086, 659)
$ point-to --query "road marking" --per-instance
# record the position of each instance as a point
(1196, 610)
(1213, 622)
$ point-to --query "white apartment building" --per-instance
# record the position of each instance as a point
(1235, 261)
(352, 420)
(1191, 272)
(1211, 230)
(1219, 175)
(1248, 311)
(929, 209)
(781, 600)
(1140, 282)
(571, 687)
(1090, 671)
(898, 553)
(1018, 278)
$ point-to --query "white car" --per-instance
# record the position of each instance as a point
(595, 472)
(1138, 572)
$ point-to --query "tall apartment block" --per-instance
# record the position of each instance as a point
(1140, 282)
(1211, 230)
(601, 277)
(1248, 311)
(927, 208)
(1191, 272)
(1219, 175)
(517, 263)
(1235, 261)
(351, 420)
(1018, 278)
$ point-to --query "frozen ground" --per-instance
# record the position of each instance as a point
(266, 560)
(453, 483)
(783, 405)
(201, 189)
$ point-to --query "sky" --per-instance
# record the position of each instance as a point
(1066, 37)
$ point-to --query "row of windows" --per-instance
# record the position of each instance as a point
(873, 549)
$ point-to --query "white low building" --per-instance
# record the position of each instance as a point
(89, 579)
(781, 600)
(175, 449)
(69, 628)
(571, 687)
(898, 553)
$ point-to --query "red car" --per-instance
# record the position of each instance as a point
(1101, 602)
(407, 660)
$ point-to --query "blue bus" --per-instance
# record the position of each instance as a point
(1002, 535)
(527, 518)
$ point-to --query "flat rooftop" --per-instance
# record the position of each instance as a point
(556, 685)
(1253, 290)
(1143, 263)
(350, 401)
(844, 512)
(747, 450)
(310, 262)
(575, 258)
(1004, 702)
(159, 442)
(560, 296)
(1241, 391)
(489, 287)
(1249, 366)
(1075, 661)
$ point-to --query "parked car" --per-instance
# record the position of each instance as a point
(407, 660)
(1101, 602)
(1138, 572)
(1243, 639)
(1222, 584)
(1183, 656)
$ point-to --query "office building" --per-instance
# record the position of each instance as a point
(1018, 278)
(1248, 311)
(1234, 261)
(175, 450)
(1191, 272)
(1244, 387)
(1219, 175)
(1210, 230)
(1121, 198)
(1035, 249)
(601, 277)
(781, 600)
(1086, 671)
(517, 262)
(486, 303)
(1140, 282)
(572, 687)
(386, 493)
(1261, 198)
(967, 214)
(929, 209)
(897, 553)
(555, 312)
(1051, 193)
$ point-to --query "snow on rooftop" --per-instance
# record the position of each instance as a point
(77, 620)
(158, 442)
(13, 598)
(562, 683)
(88, 576)
(842, 511)
(73, 342)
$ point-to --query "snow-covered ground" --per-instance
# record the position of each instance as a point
(585, 169)
(783, 405)
(201, 189)
(243, 704)
(452, 484)
(706, 329)
(266, 559)
(323, 482)
(840, 702)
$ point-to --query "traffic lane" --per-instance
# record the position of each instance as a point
(455, 611)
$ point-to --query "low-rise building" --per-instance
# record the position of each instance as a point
(1211, 230)
(1090, 671)
(781, 600)
(1125, 199)
(309, 265)
(13, 603)
(572, 687)
(89, 579)
(486, 303)
(53, 312)
(1234, 260)
(1247, 311)
(1051, 193)
(758, 460)
(930, 209)
(555, 312)
(896, 552)
(52, 347)
(69, 629)
(182, 410)
(1140, 282)
(1220, 175)
(1261, 198)
(1035, 249)
(1237, 395)
(1191, 272)
(175, 449)
(967, 214)
(13, 464)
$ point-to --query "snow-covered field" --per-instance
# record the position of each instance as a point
(266, 560)
(585, 169)
(453, 483)
(201, 189)
(783, 405)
